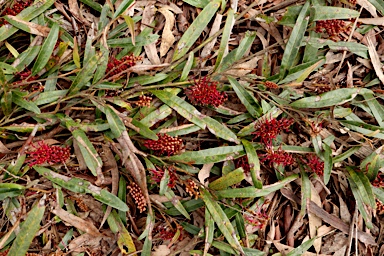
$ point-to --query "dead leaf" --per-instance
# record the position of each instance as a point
(377, 65)
(244, 68)
(204, 173)
(34, 28)
(167, 38)
(161, 250)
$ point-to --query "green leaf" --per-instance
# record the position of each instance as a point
(379, 193)
(156, 115)
(376, 108)
(28, 230)
(225, 38)
(330, 13)
(75, 54)
(220, 130)
(78, 185)
(379, 5)
(212, 155)
(328, 164)
(176, 202)
(294, 42)
(371, 165)
(246, 98)
(251, 192)
(197, 3)
(85, 75)
(224, 247)
(182, 107)
(6, 103)
(131, 26)
(364, 128)
(300, 250)
(327, 99)
(144, 130)
(364, 186)
(28, 105)
(195, 29)
(254, 164)
(92, 159)
(124, 5)
(115, 123)
(356, 48)
(305, 191)
(232, 178)
(27, 14)
(209, 227)
(46, 49)
(222, 221)
(49, 97)
(187, 67)
(10, 190)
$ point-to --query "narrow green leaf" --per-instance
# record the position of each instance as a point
(144, 130)
(331, 98)
(328, 164)
(300, 250)
(46, 49)
(49, 97)
(240, 225)
(124, 5)
(92, 159)
(209, 227)
(294, 42)
(225, 37)
(305, 191)
(176, 202)
(356, 48)
(75, 54)
(28, 230)
(131, 26)
(364, 186)
(6, 103)
(85, 75)
(27, 14)
(245, 44)
(379, 193)
(182, 107)
(220, 130)
(371, 165)
(28, 105)
(10, 190)
(252, 192)
(195, 29)
(222, 221)
(212, 155)
(346, 154)
(331, 12)
(115, 123)
(379, 5)
(156, 115)
(197, 3)
(245, 97)
(309, 70)
(364, 128)
(376, 108)
(232, 178)
(187, 67)
(225, 248)
(254, 164)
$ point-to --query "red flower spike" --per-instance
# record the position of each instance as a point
(15, 9)
(165, 145)
(144, 101)
(204, 92)
(315, 164)
(271, 85)
(332, 27)
(258, 219)
(379, 181)
(191, 188)
(48, 154)
(137, 195)
(270, 128)
(157, 175)
(115, 67)
(279, 157)
(243, 162)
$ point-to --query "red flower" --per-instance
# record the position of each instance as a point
(137, 195)
(157, 175)
(165, 145)
(48, 154)
(204, 92)
(243, 162)
(258, 219)
(279, 157)
(115, 67)
(315, 164)
(270, 128)
(332, 27)
(17, 7)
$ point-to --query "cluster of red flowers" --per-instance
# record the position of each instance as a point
(243, 162)
(17, 7)
(267, 131)
(332, 27)
(271, 85)
(379, 181)
(115, 66)
(165, 145)
(270, 128)
(192, 188)
(137, 195)
(48, 154)
(204, 92)
(168, 233)
(157, 175)
(25, 76)
(315, 164)
(258, 219)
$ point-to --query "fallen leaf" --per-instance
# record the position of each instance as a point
(167, 38)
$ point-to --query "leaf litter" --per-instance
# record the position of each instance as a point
(111, 143)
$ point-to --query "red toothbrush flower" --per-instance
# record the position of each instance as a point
(165, 145)
(157, 175)
(279, 157)
(270, 128)
(48, 154)
(204, 92)
(315, 164)
(137, 195)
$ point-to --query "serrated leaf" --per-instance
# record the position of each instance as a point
(46, 49)
(28, 231)
(295, 39)
(195, 29)
(182, 107)
(245, 97)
